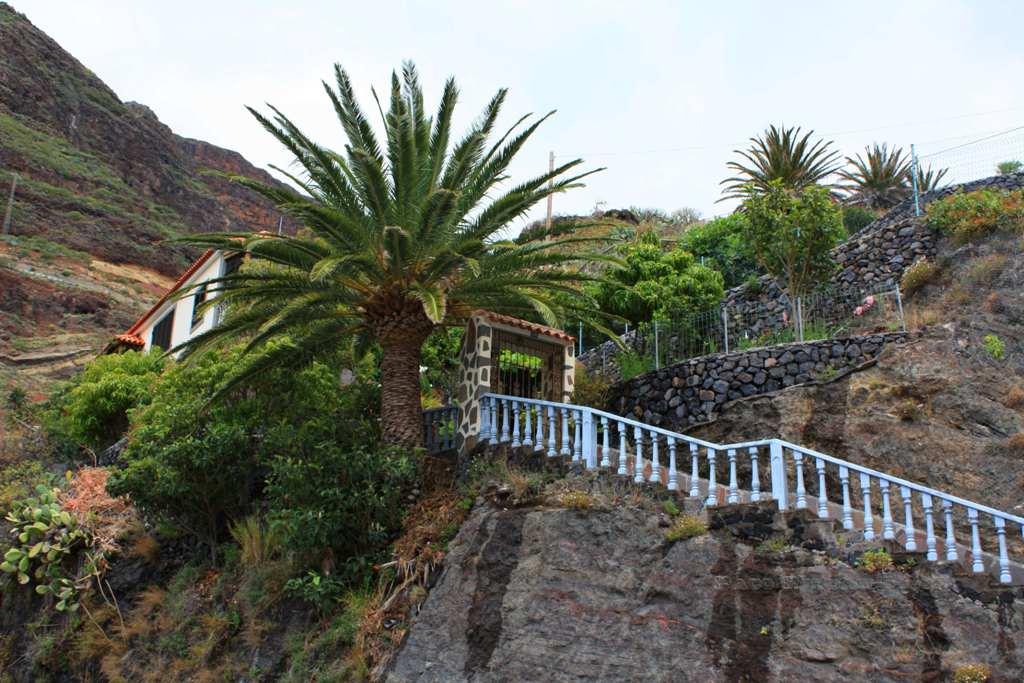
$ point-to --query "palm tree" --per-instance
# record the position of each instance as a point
(396, 242)
(780, 154)
(928, 180)
(879, 180)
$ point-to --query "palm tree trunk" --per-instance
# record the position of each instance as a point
(401, 413)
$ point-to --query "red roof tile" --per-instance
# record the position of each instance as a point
(130, 339)
(526, 325)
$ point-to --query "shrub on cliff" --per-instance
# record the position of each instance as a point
(93, 410)
(970, 216)
(653, 283)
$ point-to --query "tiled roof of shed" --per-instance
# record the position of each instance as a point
(526, 325)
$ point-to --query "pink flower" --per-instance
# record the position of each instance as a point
(870, 301)
(859, 310)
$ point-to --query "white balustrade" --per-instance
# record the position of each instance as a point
(505, 419)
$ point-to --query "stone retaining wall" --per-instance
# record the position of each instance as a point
(691, 392)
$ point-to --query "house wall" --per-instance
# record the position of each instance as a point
(182, 330)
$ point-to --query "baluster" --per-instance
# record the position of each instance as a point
(694, 471)
(819, 465)
(929, 527)
(605, 460)
(1004, 558)
(504, 421)
(564, 451)
(516, 443)
(538, 440)
(655, 465)
(551, 432)
(908, 521)
(755, 476)
(869, 522)
(844, 480)
(638, 461)
(494, 420)
(734, 487)
(712, 498)
(621, 427)
(485, 419)
(577, 444)
(528, 429)
(977, 564)
(801, 492)
(888, 531)
(951, 553)
(673, 485)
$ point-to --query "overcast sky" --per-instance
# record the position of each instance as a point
(658, 92)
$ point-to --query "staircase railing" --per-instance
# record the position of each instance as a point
(439, 426)
(649, 453)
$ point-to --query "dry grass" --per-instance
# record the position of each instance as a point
(576, 500)
(1015, 398)
(686, 527)
(258, 541)
(907, 410)
(108, 519)
(918, 275)
(972, 673)
(919, 317)
(1015, 444)
(957, 295)
(994, 303)
(146, 547)
(984, 270)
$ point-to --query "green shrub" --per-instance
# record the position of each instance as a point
(93, 409)
(590, 388)
(856, 218)
(995, 346)
(972, 673)
(720, 244)
(322, 591)
(632, 364)
(876, 560)
(920, 273)
(686, 527)
(1008, 167)
(972, 215)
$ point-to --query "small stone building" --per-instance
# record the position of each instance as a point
(505, 355)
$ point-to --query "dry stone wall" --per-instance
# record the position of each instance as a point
(692, 392)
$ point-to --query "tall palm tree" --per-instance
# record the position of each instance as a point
(780, 154)
(398, 241)
(878, 180)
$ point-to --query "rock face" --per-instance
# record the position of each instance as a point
(101, 175)
(546, 594)
(693, 392)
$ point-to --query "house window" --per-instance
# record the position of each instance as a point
(162, 332)
(197, 300)
(232, 264)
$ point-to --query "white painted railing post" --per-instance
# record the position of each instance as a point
(1004, 559)
(844, 480)
(528, 428)
(564, 450)
(869, 522)
(655, 464)
(485, 420)
(551, 432)
(910, 543)
(951, 553)
(539, 440)
(888, 530)
(801, 490)
(589, 448)
(929, 527)
(977, 564)
(712, 498)
(605, 460)
(516, 443)
(819, 465)
(504, 421)
(673, 485)
(494, 420)
(621, 428)
(694, 471)
(755, 477)
(734, 485)
(778, 465)
(638, 459)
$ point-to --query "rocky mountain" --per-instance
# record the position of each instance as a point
(100, 184)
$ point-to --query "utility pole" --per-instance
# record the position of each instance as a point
(280, 225)
(10, 204)
(551, 183)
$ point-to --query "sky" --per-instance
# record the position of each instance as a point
(660, 94)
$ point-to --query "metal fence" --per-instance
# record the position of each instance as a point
(825, 314)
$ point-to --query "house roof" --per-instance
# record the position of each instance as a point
(526, 325)
(182, 279)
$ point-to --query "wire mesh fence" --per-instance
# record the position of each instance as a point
(997, 153)
(829, 313)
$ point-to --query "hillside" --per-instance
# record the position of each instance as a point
(100, 184)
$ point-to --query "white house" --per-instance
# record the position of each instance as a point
(173, 320)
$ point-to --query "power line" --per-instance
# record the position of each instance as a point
(972, 142)
(697, 148)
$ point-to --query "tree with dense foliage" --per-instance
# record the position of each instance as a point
(398, 240)
(93, 410)
(780, 154)
(878, 180)
(792, 236)
(653, 283)
(722, 243)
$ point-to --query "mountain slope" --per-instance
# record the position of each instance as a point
(100, 184)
